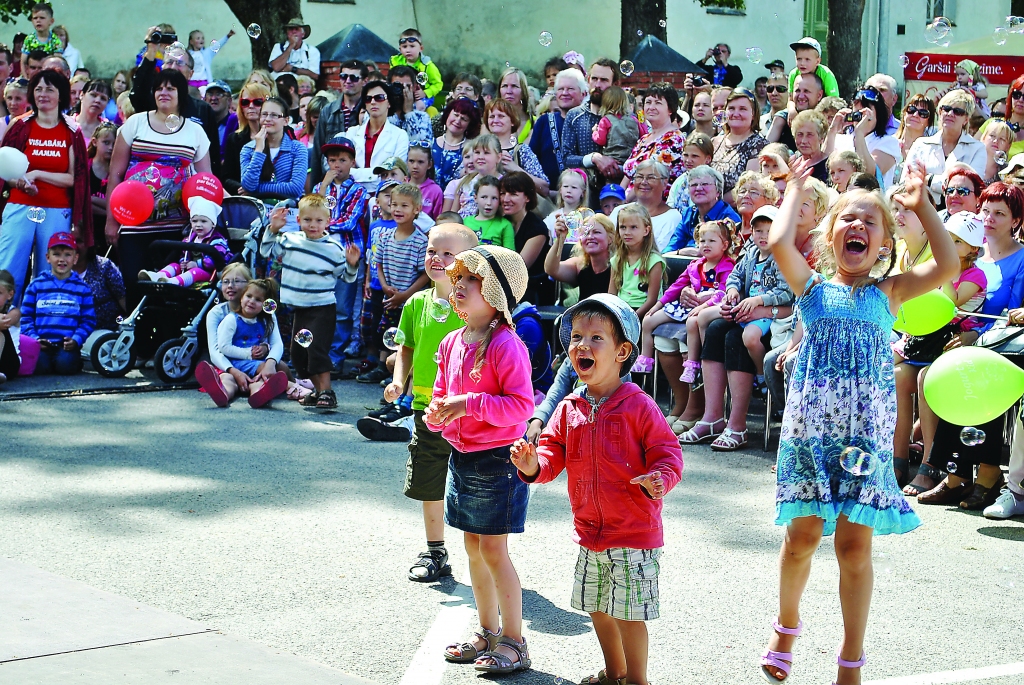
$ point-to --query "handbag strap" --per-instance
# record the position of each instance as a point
(553, 128)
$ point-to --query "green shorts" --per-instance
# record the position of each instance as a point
(427, 468)
(620, 582)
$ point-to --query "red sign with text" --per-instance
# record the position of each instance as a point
(997, 69)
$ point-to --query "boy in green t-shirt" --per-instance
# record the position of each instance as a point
(489, 227)
(808, 61)
(410, 47)
(426, 319)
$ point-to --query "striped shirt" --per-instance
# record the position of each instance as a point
(402, 260)
(290, 166)
(310, 268)
(54, 309)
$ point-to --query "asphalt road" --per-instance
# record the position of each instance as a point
(288, 528)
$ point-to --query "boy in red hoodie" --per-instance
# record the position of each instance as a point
(621, 458)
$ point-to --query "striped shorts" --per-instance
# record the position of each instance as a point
(620, 582)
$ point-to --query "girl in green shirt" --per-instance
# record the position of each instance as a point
(637, 266)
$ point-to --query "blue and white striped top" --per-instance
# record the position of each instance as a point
(310, 268)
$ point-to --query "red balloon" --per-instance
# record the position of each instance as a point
(131, 203)
(203, 184)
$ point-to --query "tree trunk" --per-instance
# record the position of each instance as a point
(271, 16)
(844, 42)
(644, 16)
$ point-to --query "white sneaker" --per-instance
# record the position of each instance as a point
(147, 275)
(1005, 507)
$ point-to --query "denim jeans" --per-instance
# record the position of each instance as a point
(58, 361)
(18, 237)
(348, 299)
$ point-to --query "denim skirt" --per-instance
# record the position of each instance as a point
(484, 494)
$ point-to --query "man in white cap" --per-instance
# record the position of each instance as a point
(808, 61)
(294, 55)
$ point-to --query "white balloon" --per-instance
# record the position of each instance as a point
(13, 164)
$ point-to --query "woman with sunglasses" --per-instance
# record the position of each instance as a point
(376, 139)
(274, 165)
(250, 103)
(918, 121)
(1014, 116)
(937, 153)
(962, 191)
(864, 129)
(738, 146)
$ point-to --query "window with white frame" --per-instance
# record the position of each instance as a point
(941, 8)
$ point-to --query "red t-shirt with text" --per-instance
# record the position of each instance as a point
(48, 149)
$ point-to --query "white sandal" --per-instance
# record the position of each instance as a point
(730, 441)
(691, 437)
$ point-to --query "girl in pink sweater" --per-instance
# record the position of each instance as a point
(482, 401)
(702, 285)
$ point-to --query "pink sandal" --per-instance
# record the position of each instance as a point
(643, 365)
(843, 663)
(780, 660)
(690, 370)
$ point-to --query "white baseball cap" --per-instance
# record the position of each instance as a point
(968, 227)
(766, 212)
(807, 42)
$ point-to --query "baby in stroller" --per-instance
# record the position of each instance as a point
(194, 267)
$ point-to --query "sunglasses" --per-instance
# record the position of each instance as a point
(379, 97)
(869, 94)
(350, 77)
(919, 111)
(776, 89)
(958, 111)
(422, 144)
(1017, 95)
(23, 82)
(410, 39)
(1014, 126)
(245, 102)
(962, 192)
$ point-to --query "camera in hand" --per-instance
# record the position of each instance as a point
(716, 51)
(854, 117)
(161, 38)
(699, 81)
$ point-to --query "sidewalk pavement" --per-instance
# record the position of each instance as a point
(53, 629)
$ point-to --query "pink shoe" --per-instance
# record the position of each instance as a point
(780, 660)
(274, 386)
(209, 378)
(690, 370)
(643, 365)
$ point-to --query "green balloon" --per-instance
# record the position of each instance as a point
(971, 385)
(925, 314)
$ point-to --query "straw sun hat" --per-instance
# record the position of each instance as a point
(504, 275)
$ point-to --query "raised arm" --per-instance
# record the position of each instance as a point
(782, 237)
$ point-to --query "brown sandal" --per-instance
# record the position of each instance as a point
(468, 653)
(983, 497)
(602, 679)
(944, 494)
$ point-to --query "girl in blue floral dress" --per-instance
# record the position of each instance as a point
(843, 396)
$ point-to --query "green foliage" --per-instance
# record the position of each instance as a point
(10, 10)
(728, 4)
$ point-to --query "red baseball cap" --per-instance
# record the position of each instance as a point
(62, 239)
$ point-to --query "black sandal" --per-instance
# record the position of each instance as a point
(310, 400)
(436, 565)
(327, 400)
(902, 469)
(928, 471)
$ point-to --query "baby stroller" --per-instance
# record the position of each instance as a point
(166, 310)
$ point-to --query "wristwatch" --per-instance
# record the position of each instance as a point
(775, 312)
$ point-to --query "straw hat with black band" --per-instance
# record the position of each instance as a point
(504, 275)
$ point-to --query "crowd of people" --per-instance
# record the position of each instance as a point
(744, 243)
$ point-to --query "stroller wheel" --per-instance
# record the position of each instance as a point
(175, 361)
(110, 358)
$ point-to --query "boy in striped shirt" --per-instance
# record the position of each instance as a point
(57, 310)
(312, 262)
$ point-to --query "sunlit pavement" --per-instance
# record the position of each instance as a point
(286, 528)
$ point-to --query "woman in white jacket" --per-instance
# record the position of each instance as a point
(375, 135)
(938, 153)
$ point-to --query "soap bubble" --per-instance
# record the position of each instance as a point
(37, 215)
(421, 78)
(119, 320)
(943, 24)
(437, 357)
(936, 32)
(1000, 158)
(999, 35)
(718, 119)
(904, 61)
(662, 23)
(573, 221)
(215, 46)
(394, 338)
(1016, 24)
(626, 67)
(330, 202)
(269, 306)
(951, 465)
(173, 122)
(177, 46)
(254, 31)
(754, 55)
(304, 338)
(440, 309)
(882, 563)
(545, 38)
(972, 437)
(944, 43)
(152, 174)
(857, 462)
(639, 32)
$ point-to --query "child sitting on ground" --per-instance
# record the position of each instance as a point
(618, 130)
(490, 227)
(239, 333)
(312, 262)
(702, 285)
(427, 319)
(629, 446)
(57, 310)
(195, 267)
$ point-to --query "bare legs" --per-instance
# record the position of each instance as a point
(624, 645)
(496, 588)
